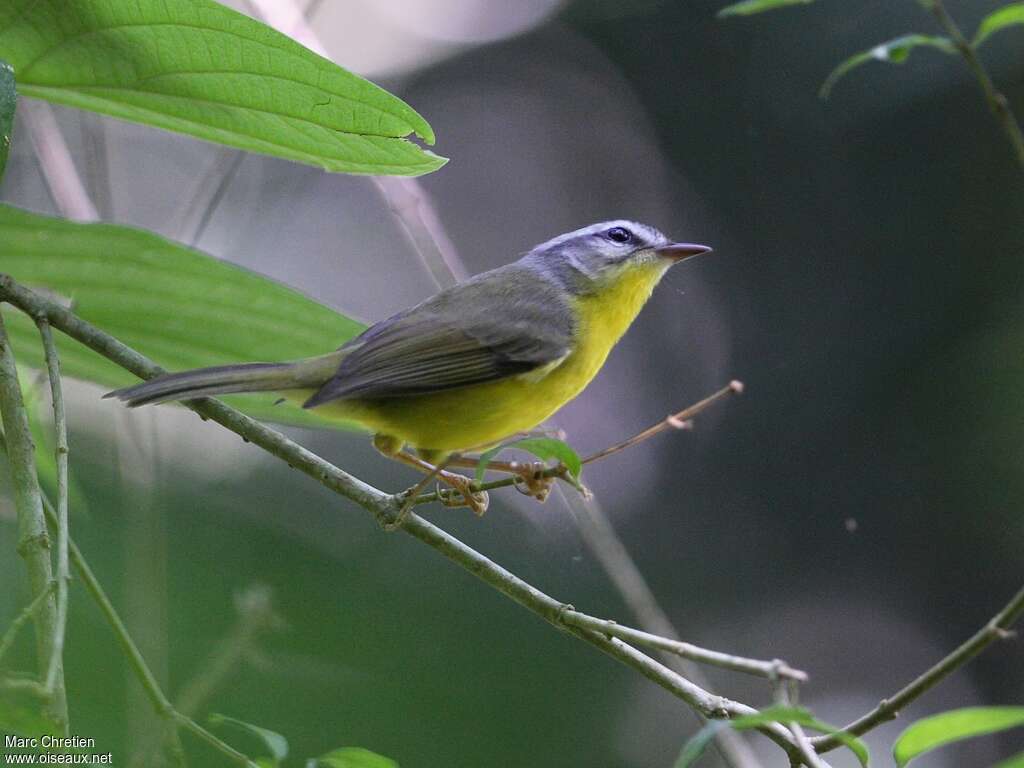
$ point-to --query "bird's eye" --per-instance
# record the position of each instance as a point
(619, 235)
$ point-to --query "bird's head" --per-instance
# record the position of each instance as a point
(585, 260)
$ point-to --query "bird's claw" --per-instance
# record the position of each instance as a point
(531, 481)
(461, 494)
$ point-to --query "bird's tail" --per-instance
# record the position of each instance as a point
(310, 373)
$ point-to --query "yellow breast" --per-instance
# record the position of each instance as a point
(475, 417)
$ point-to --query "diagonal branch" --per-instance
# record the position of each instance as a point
(385, 507)
(997, 628)
(997, 102)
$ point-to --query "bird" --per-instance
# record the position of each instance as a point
(478, 362)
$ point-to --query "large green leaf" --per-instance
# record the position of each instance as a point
(197, 67)
(750, 7)
(180, 307)
(8, 99)
(1007, 16)
(894, 52)
(932, 732)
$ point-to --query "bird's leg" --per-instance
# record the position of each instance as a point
(476, 501)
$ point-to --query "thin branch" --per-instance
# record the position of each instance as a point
(768, 669)
(61, 450)
(20, 620)
(33, 540)
(997, 102)
(997, 628)
(679, 420)
(383, 506)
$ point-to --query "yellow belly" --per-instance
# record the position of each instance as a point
(479, 416)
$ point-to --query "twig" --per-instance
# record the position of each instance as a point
(19, 621)
(63, 529)
(998, 104)
(33, 541)
(997, 628)
(679, 420)
(768, 669)
(383, 506)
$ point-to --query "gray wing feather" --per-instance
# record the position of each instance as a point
(502, 323)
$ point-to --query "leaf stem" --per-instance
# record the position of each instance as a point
(33, 540)
(998, 104)
(997, 628)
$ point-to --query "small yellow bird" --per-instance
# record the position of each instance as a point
(479, 361)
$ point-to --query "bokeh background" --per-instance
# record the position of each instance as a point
(857, 512)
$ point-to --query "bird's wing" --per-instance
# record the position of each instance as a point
(505, 322)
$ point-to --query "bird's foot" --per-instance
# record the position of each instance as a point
(531, 481)
(461, 494)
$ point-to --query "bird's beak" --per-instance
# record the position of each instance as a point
(680, 251)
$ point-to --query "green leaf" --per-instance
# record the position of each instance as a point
(544, 448)
(750, 7)
(1017, 761)
(197, 67)
(894, 52)
(695, 747)
(351, 757)
(178, 306)
(8, 101)
(932, 732)
(275, 743)
(1001, 18)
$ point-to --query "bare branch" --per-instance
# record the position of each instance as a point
(679, 420)
(997, 628)
(768, 669)
(61, 450)
(997, 102)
